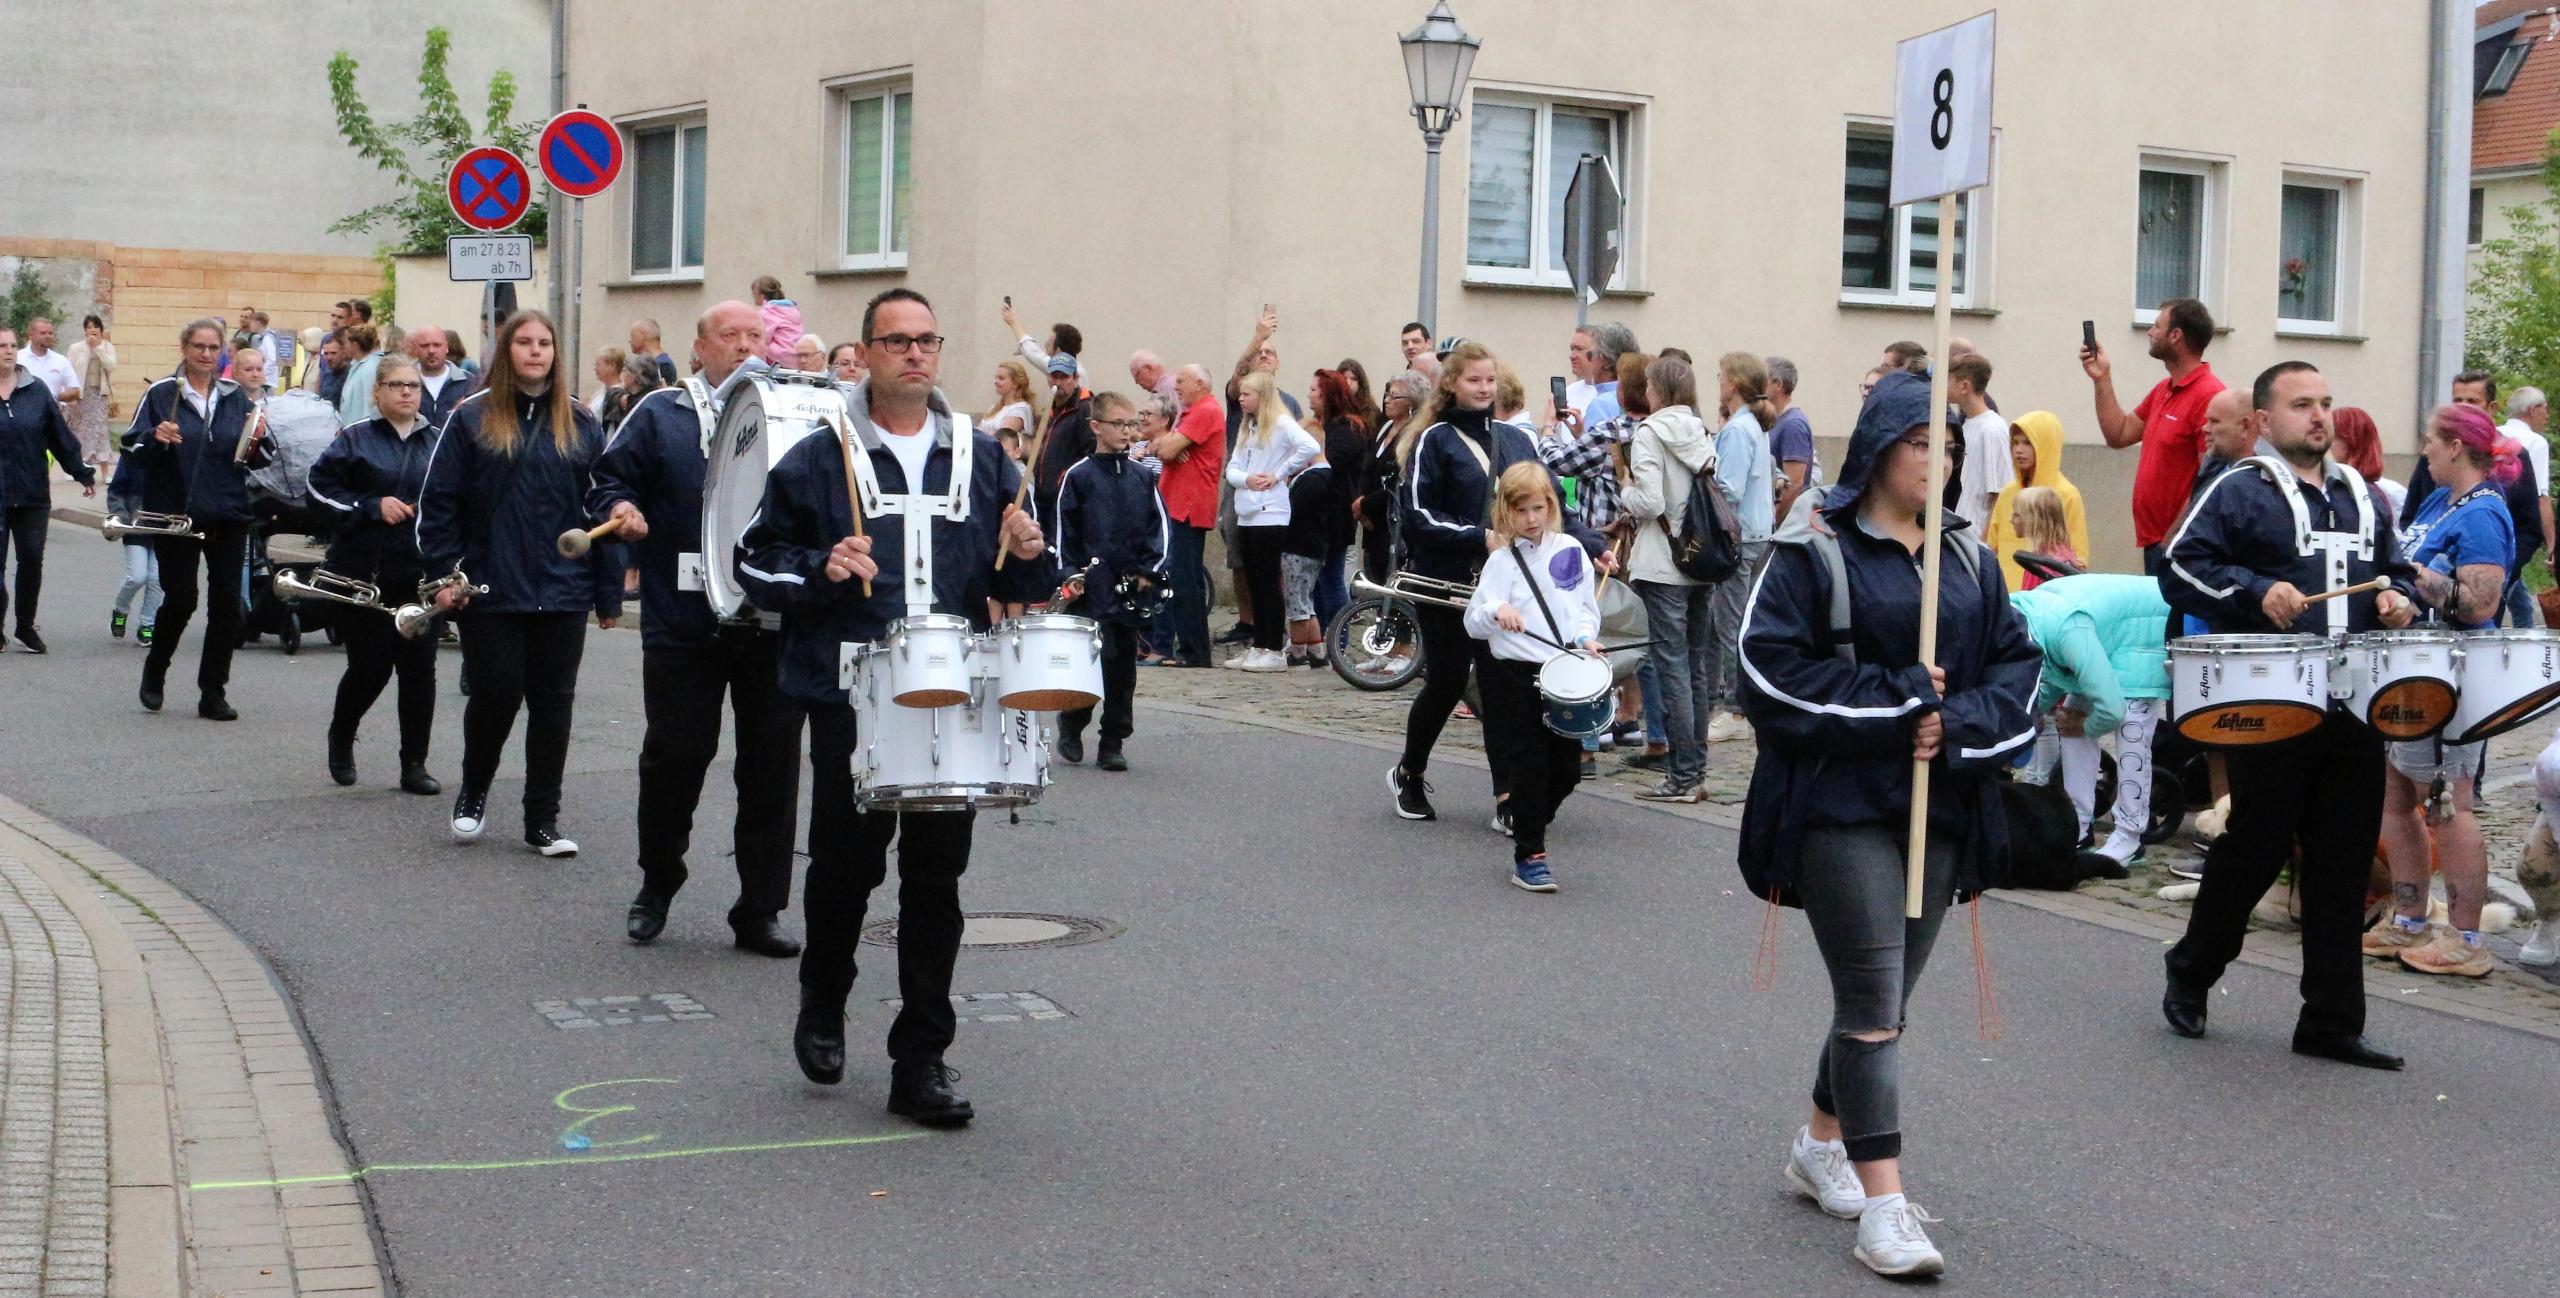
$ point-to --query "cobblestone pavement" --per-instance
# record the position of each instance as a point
(53, 1112)
(1318, 702)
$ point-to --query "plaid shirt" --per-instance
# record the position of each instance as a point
(1590, 456)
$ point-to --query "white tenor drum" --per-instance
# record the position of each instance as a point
(764, 415)
(928, 660)
(2508, 678)
(1047, 662)
(938, 759)
(2403, 683)
(2243, 690)
(1579, 693)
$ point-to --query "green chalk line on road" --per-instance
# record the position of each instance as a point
(505, 1165)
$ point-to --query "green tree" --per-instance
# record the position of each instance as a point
(2512, 327)
(29, 298)
(420, 151)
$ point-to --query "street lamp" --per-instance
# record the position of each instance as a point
(1437, 57)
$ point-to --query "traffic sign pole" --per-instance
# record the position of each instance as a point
(581, 155)
(1582, 246)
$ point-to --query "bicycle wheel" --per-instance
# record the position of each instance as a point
(1375, 644)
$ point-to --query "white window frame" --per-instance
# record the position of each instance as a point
(2211, 243)
(2349, 186)
(842, 94)
(1627, 138)
(677, 120)
(1977, 221)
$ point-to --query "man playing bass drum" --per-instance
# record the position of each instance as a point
(806, 556)
(651, 478)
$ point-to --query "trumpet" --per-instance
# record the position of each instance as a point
(1418, 589)
(146, 524)
(414, 619)
(324, 584)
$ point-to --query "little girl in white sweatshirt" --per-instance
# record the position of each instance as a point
(1539, 592)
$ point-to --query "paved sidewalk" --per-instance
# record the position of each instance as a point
(164, 1130)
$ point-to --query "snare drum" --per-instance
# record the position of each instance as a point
(927, 659)
(939, 759)
(1578, 690)
(2402, 683)
(2508, 678)
(1047, 662)
(2241, 690)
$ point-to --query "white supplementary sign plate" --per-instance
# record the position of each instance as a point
(1942, 111)
(481, 258)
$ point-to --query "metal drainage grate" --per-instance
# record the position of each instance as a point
(1010, 931)
(619, 1011)
(1001, 1007)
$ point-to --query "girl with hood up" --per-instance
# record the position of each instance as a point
(1843, 705)
(2035, 446)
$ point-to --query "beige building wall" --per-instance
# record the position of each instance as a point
(1166, 167)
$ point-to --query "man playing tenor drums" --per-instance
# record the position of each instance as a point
(2260, 541)
(809, 556)
(651, 478)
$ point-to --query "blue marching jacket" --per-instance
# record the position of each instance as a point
(31, 424)
(1834, 721)
(194, 476)
(1108, 510)
(782, 558)
(501, 516)
(369, 461)
(1445, 493)
(2249, 529)
(656, 462)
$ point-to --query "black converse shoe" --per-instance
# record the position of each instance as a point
(547, 840)
(470, 815)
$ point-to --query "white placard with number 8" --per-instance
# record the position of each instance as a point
(1942, 111)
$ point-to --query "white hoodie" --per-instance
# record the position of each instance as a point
(1669, 448)
(1289, 449)
(1563, 574)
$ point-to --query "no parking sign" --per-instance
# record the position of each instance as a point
(581, 153)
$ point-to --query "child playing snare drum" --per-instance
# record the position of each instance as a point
(1538, 594)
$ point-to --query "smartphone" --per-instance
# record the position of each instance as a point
(1008, 299)
(2089, 336)
(1555, 388)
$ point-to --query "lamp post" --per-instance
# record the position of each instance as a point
(1437, 57)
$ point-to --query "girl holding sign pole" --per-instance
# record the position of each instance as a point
(1843, 705)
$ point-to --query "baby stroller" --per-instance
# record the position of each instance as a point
(299, 427)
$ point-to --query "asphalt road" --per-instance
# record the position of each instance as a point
(1327, 1052)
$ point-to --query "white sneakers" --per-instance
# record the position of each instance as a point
(1892, 1242)
(1259, 660)
(1892, 1235)
(1820, 1171)
(2543, 948)
(1727, 727)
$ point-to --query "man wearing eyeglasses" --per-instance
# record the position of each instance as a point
(808, 556)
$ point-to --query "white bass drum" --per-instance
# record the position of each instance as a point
(765, 414)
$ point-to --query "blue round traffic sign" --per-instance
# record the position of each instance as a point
(489, 189)
(581, 153)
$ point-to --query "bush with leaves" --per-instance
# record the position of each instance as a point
(28, 299)
(420, 151)
(2512, 327)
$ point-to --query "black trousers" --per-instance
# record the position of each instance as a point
(1448, 654)
(376, 651)
(848, 857)
(680, 691)
(24, 527)
(220, 554)
(1119, 687)
(528, 661)
(2321, 794)
(1536, 765)
(1261, 547)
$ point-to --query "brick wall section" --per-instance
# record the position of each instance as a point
(148, 294)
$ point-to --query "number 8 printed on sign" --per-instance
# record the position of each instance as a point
(1942, 111)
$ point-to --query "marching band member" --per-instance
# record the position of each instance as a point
(802, 557)
(372, 475)
(651, 477)
(509, 473)
(31, 423)
(1842, 704)
(2258, 541)
(1541, 596)
(186, 434)
(1111, 527)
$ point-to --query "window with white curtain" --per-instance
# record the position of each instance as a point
(878, 171)
(1889, 255)
(2173, 232)
(1521, 155)
(2318, 246)
(669, 178)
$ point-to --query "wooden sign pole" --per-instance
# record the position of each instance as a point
(1916, 868)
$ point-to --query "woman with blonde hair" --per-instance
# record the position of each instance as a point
(364, 357)
(1269, 451)
(2035, 451)
(509, 474)
(1013, 417)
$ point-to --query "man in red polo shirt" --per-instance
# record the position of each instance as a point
(2169, 424)
(1195, 459)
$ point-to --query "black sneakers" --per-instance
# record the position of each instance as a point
(27, 636)
(546, 839)
(470, 815)
(1412, 794)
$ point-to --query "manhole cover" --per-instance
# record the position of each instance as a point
(1010, 931)
(1001, 1007)
(620, 1011)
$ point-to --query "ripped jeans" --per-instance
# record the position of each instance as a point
(1851, 881)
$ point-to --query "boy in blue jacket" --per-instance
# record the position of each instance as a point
(1111, 525)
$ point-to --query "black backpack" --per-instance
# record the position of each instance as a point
(1707, 547)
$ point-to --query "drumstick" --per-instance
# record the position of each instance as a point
(1030, 466)
(2378, 583)
(575, 542)
(852, 488)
